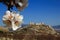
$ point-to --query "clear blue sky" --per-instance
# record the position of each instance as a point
(47, 11)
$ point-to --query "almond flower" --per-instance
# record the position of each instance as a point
(12, 19)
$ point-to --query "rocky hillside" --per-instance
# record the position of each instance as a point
(37, 29)
(32, 32)
(2, 29)
(32, 29)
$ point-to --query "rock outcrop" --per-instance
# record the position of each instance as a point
(32, 32)
(37, 29)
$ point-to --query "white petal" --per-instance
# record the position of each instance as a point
(5, 17)
(17, 14)
(20, 4)
(21, 17)
(7, 12)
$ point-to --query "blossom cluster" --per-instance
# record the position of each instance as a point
(12, 16)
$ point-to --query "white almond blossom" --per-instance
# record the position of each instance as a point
(14, 18)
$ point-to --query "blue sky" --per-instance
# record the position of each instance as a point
(47, 11)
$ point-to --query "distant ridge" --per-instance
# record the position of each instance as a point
(56, 27)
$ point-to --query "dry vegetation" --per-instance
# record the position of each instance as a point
(30, 37)
(32, 32)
